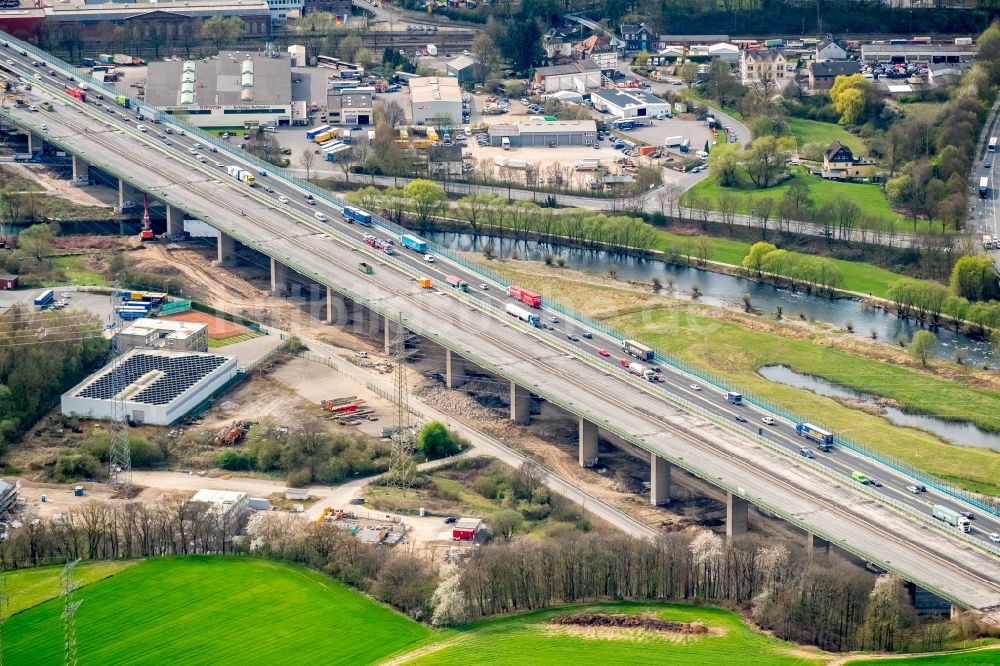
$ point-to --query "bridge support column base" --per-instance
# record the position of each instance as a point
(588, 443)
(659, 480)
(815, 544)
(737, 515)
(520, 404)
(81, 171)
(175, 220)
(339, 309)
(279, 274)
(454, 369)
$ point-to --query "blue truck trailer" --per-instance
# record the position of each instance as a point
(413, 243)
(352, 214)
(821, 438)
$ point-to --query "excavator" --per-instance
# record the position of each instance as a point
(147, 229)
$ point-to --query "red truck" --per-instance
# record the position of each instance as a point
(76, 92)
(525, 296)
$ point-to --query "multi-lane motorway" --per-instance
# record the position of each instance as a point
(546, 362)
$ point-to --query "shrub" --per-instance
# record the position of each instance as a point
(72, 466)
(236, 461)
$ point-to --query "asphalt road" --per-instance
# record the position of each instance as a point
(550, 367)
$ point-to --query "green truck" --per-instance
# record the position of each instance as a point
(365, 268)
(860, 478)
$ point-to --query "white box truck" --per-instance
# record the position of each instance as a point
(673, 141)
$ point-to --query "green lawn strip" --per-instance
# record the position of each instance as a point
(233, 339)
(989, 656)
(529, 638)
(867, 196)
(927, 110)
(77, 272)
(29, 587)
(735, 353)
(858, 277)
(815, 131)
(214, 610)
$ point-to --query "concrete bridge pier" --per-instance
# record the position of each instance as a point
(81, 171)
(588, 443)
(175, 220)
(520, 404)
(279, 272)
(454, 369)
(815, 544)
(659, 480)
(339, 309)
(31, 142)
(737, 515)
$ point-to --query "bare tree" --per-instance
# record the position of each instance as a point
(308, 159)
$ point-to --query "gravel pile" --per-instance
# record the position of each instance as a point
(456, 402)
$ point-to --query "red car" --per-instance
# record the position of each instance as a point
(604, 352)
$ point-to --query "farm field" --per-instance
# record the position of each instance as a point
(510, 640)
(205, 610)
(981, 657)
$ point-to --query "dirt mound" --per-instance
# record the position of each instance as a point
(619, 621)
(158, 268)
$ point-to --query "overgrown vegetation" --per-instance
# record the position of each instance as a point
(308, 454)
(42, 354)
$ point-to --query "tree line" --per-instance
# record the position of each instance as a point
(813, 599)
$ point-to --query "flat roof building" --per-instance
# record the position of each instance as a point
(435, 97)
(230, 506)
(349, 107)
(579, 76)
(226, 90)
(629, 103)
(917, 52)
(8, 496)
(545, 133)
(164, 334)
(158, 387)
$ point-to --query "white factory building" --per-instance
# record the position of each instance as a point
(159, 386)
(230, 506)
(435, 97)
(164, 334)
(232, 89)
(629, 103)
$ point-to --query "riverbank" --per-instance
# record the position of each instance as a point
(735, 345)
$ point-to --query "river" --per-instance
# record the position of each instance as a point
(956, 432)
(724, 290)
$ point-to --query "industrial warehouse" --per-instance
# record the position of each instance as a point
(158, 387)
(227, 90)
(437, 98)
(544, 133)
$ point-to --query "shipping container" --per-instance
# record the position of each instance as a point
(525, 296)
(313, 133)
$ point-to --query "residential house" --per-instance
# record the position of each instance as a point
(839, 163)
(557, 48)
(600, 49)
(762, 65)
(823, 74)
(444, 161)
(637, 37)
(8, 281)
(831, 48)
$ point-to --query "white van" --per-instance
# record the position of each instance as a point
(321, 217)
(141, 128)
(505, 143)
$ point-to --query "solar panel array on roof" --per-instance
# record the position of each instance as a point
(179, 373)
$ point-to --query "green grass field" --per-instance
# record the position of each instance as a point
(704, 338)
(204, 610)
(859, 277)
(30, 587)
(867, 196)
(77, 272)
(984, 657)
(529, 638)
(814, 131)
